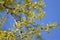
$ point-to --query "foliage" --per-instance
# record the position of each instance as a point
(26, 8)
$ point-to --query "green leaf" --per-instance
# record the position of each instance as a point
(8, 2)
(1, 8)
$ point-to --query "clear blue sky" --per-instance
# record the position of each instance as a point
(52, 10)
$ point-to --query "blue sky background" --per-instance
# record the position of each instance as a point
(52, 10)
